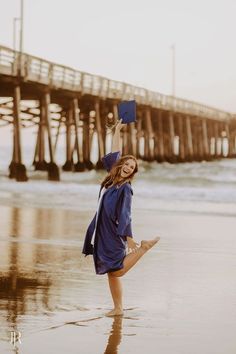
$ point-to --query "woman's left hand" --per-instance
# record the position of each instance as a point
(132, 245)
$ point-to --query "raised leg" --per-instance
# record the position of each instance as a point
(132, 258)
(113, 277)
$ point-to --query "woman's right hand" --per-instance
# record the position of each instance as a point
(132, 245)
(116, 141)
(119, 125)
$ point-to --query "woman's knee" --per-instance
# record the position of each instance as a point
(117, 273)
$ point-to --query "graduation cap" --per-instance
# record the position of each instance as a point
(127, 111)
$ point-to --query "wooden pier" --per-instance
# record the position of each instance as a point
(34, 91)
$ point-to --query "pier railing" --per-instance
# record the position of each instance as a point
(34, 69)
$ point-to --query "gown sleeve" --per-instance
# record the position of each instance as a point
(110, 159)
(124, 213)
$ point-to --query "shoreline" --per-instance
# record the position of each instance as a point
(180, 297)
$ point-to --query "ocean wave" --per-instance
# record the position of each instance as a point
(213, 182)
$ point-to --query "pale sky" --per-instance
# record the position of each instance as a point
(130, 40)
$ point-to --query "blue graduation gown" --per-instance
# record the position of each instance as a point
(113, 225)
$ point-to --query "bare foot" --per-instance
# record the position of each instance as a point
(147, 244)
(114, 312)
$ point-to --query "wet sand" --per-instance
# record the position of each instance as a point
(180, 298)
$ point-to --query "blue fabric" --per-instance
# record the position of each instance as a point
(110, 159)
(88, 247)
(127, 111)
(114, 224)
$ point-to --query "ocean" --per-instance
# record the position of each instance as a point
(198, 187)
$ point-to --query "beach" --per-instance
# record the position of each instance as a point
(179, 298)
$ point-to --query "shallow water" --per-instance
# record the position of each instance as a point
(179, 298)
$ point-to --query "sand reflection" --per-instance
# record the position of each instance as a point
(115, 336)
(23, 289)
(33, 250)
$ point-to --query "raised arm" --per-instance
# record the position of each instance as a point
(109, 159)
(116, 141)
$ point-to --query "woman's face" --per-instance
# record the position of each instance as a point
(128, 168)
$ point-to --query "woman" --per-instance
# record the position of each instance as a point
(110, 232)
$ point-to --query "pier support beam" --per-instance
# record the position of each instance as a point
(181, 156)
(101, 142)
(58, 132)
(68, 165)
(172, 156)
(40, 163)
(199, 140)
(211, 139)
(216, 137)
(79, 166)
(194, 129)
(53, 170)
(86, 143)
(138, 137)
(222, 137)
(133, 141)
(148, 136)
(160, 139)
(189, 138)
(233, 136)
(17, 169)
(206, 150)
(125, 143)
(231, 140)
(166, 136)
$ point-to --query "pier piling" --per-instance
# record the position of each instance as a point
(168, 129)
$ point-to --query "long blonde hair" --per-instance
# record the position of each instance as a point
(113, 177)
